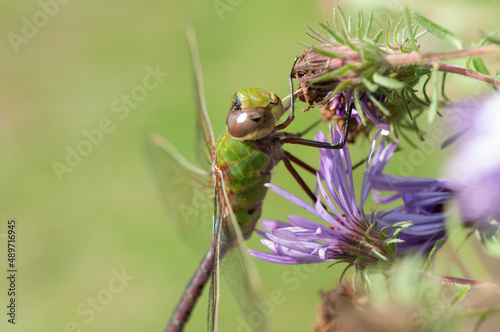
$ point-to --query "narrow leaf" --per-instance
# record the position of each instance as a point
(369, 85)
(369, 25)
(437, 30)
(377, 103)
(396, 30)
(479, 65)
(413, 46)
(360, 23)
(357, 103)
(387, 82)
(378, 35)
(442, 88)
(493, 39)
(434, 102)
(328, 53)
(335, 73)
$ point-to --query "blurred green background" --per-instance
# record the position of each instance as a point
(104, 216)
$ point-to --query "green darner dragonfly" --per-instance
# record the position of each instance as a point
(230, 194)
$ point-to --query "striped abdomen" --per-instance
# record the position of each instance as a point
(246, 168)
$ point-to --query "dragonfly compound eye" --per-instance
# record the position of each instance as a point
(249, 124)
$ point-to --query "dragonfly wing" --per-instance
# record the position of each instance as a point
(204, 127)
(213, 299)
(236, 264)
(186, 191)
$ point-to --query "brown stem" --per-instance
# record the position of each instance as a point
(416, 58)
(428, 60)
(461, 281)
(465, 72)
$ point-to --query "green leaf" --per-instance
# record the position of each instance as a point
(424, 89)
(479, 65)
(420, 34)
(486, 38)
(357, 103)
(378, 35)
(395, 37)
(435, 95)
(437, 30)
(377, 103)
(442, 88)
(468, 64)
(387, 40)
(369, 25)
(391, 241)
(497, 74)
(433, 251)
(361, 21)
(387, 82)
(335, 73)
(369, 85)
(342, 86)
(333, 34)
(413, 46)
(328, 53)
(493, 39)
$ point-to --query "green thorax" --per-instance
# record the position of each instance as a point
(246, 168)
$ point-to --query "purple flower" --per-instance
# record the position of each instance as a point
(348, 234)
(337, 108)
(475, 163)
(422, 199)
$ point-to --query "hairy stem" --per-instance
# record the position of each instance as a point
(461, 281)
(416, 58)
(465, 72)
(428, 60)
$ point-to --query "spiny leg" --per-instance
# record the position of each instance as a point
(291, 116)
(297, 140)
(298, 178)
(300, 163)
(286, 160)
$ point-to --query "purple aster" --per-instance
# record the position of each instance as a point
(348, 234)
(422, 199)
(337, 108)
(475, 163)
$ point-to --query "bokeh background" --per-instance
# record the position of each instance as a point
(104, 216)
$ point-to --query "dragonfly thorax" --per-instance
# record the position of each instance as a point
(254, 113)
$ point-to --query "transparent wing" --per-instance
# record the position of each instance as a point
(186, 191)
(235, 262)
(213, 299)
(204, 127)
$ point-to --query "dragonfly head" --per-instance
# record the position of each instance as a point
(253, 114)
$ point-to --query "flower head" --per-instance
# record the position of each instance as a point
(348, 234)
(422, 199)
(475, 163)
(337, 109)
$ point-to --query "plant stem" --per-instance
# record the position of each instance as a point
(461, 281)
(428, 60)
(416, 58)
(465, 72)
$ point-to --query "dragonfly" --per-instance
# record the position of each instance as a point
(230, 193)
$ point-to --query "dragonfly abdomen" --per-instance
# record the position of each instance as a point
(247, 168)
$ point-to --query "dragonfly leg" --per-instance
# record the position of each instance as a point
(291, 116)
(339, 145)
(300, 163)
(298, 178)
